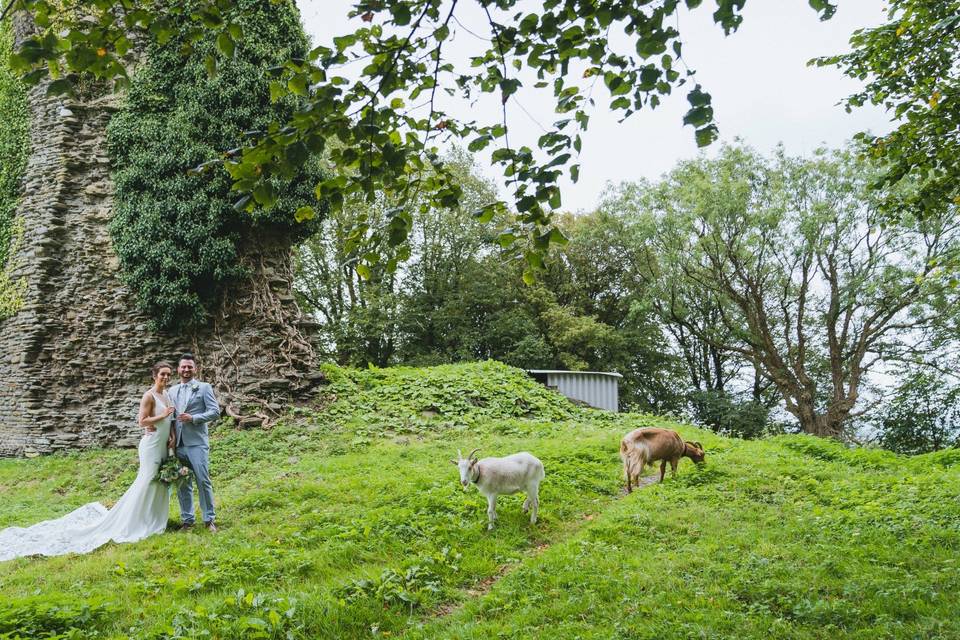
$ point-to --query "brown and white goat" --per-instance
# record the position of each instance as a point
(644, 446)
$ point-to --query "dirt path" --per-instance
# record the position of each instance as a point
(645, 481)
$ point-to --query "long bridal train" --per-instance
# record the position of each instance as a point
(141, 512)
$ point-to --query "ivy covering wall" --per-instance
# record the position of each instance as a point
(178, 235)
(14, 145)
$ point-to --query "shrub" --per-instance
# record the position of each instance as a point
(467, 393)
(923, 416)
(726, 415)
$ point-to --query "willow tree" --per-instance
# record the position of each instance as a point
(813, 288)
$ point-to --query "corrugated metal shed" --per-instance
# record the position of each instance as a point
(597, 388)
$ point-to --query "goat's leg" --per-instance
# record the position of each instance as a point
(491, 511)
(627, 471)
(663, 469)
(636, 463)
(533, 497)
(642, 463)
(673, 467)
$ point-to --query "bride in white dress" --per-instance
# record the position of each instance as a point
(141, 512)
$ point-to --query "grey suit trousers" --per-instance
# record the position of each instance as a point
(197, 458)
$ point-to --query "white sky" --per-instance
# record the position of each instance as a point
(762, 90)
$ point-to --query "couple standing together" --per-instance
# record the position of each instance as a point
(171, 417)
(185, 408)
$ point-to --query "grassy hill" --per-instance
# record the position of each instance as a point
(347, 521)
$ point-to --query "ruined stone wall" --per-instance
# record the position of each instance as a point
(78, 354)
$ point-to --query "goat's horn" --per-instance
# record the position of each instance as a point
(472, 452)
(459, 455)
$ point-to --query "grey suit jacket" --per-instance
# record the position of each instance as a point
(197, 399)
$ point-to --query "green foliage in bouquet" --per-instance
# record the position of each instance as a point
(172, 472)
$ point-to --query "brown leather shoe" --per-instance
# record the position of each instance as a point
(186, 526)
(212, 528)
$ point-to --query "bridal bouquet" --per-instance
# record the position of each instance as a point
(172, 472)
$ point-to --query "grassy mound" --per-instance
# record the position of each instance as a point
(465, 393)
(348, 522)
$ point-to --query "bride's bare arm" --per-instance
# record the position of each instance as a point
(145, 419)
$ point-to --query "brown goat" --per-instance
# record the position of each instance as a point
(641, 447)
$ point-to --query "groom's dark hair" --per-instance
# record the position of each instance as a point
(187, 356)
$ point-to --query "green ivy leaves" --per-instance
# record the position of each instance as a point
(180, 234)
(14, 147)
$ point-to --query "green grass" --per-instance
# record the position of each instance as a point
(348, 522)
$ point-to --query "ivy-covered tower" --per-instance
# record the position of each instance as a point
(118, 258)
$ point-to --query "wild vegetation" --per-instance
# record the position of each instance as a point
(177, 234)
(347, 520)
(14, 145)
(741, 328)
(733, 286)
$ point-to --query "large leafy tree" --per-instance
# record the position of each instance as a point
(373, 313)
(388, 120)
(686, 313)
(599, 276)
(459, 298)
(357, 315)
(813, 289)
(911, 66)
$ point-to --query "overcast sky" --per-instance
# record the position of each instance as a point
(762, 90)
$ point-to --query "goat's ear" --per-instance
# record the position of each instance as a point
(453, 462)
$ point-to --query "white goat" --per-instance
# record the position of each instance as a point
(499, 476)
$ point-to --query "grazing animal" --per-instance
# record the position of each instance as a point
(641, 447)
(499, 476)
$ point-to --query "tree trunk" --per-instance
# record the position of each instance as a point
(828, 424)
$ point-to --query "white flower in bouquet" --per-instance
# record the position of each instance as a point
(172, 472)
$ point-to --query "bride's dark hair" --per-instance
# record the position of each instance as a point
(160, 365)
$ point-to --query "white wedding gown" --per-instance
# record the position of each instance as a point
(141, 512)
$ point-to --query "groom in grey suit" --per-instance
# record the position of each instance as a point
(196, 406)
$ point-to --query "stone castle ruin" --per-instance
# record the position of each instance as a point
(77, 354)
